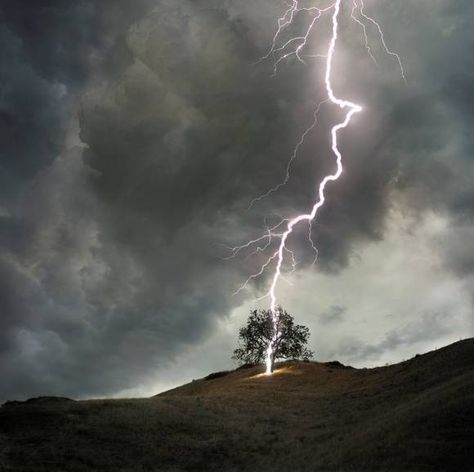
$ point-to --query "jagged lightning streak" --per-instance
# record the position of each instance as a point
(364, 30)
(382, 39)
(351, 108)
(292, 158)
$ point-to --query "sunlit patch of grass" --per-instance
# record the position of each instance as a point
(277, 372)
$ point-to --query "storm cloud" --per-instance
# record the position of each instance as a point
(134, 136)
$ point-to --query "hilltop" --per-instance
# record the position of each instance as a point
(416, 415)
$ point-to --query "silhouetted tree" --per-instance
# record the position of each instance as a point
(289, 342)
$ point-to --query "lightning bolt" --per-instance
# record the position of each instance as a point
(382, 39)
(282, 231)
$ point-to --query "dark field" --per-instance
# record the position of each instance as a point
(417, 415)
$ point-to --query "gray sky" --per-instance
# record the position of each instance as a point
(135, 133)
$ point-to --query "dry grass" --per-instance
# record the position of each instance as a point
(417, 415)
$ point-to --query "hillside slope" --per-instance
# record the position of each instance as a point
(417, 415)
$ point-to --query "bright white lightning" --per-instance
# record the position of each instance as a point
(364, 30)
(382, 39)
(292, 158)
(351, 108)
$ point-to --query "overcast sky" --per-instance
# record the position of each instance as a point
(134, 134)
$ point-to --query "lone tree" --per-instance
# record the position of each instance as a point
(289, 340)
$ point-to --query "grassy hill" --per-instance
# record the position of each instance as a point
(417, 415)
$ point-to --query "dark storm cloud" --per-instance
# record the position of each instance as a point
(333, 314)
(110, 261)
(428, 327)
(48, 49)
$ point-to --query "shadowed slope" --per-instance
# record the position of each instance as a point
(417, 415)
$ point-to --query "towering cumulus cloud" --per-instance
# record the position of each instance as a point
(134, 136)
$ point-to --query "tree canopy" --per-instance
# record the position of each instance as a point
(289, 341)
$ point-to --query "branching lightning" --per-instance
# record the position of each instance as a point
(281, 232)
